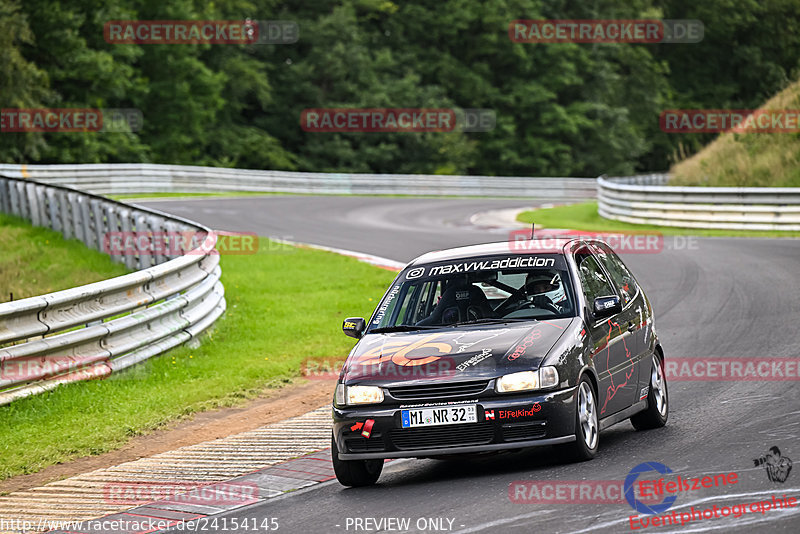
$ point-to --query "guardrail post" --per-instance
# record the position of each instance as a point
(53, 209)
(33, 204)
(14, 199)
(131, 259)
(5, 195)
(65, 210)
(41, 201)
(100, 224)
(87, 226)
(77, 216)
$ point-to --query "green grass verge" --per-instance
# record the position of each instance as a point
(585, 217)
(34, 261)
(285, 305)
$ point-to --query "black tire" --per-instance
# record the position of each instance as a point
(657, 412)
(355, 473)
(587, 425)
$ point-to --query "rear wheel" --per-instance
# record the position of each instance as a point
(355, 473)
(587, 427)
(657, 412)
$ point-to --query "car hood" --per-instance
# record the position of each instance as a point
(451, 354)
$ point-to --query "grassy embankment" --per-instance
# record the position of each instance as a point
(748, 159)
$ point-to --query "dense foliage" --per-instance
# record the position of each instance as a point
(562, 109)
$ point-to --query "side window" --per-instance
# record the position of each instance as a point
(407, 305)
(620, 274)
(416, 303)
(431, 292)
(594, 281)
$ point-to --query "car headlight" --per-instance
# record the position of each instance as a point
(339, 396)
(348, 395)
(545, 377)
(548, 377)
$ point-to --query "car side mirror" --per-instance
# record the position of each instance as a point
(354, 327)
(607, 306)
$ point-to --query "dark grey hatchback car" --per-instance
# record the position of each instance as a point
(490, 348)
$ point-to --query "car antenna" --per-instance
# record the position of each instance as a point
(533, 229)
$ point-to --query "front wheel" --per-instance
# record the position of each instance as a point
(355, 473)
(657, 412)
(587, 427)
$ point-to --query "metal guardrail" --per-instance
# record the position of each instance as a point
(646, 200)
(108, 179)
(91, 331)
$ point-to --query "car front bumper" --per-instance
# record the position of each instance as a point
(519, 421)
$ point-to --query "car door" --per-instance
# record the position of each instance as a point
(632, 320)
(610, 352)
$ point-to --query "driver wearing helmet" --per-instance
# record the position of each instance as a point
(542, 288)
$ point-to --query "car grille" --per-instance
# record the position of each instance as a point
(438, 391)
(521, 431)
(442, 436)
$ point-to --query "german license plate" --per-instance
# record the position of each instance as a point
(443, 415)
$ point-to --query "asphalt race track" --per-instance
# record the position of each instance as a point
(724, 298)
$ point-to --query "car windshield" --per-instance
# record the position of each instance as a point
(479, 291)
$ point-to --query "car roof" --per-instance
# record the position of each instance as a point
(534, 246)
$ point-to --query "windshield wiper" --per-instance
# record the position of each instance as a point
(498, 320)
(402, 328)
